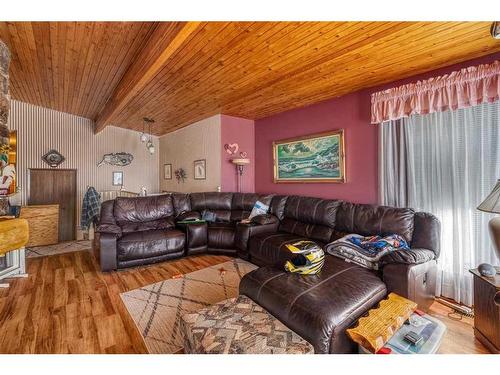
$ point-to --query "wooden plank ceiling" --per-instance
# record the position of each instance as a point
(180, 72)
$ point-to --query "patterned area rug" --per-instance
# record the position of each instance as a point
(157, 308)
(60, 248)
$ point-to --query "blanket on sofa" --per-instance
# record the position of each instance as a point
(366, 251)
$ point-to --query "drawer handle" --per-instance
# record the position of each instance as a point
(496, 299)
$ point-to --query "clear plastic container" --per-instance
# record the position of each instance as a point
(431, 329)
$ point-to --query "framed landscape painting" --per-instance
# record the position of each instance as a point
(314, 158)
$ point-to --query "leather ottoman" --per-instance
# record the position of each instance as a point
(318, 307)
(239, 326)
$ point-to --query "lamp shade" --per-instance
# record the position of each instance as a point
(240, 161)
(492, 201)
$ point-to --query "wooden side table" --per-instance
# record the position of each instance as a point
(44, 224)
(487, 310)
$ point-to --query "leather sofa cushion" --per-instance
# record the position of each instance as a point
(277, 208)
(221, 216)
(188, 215)
(318, 307)
(246, 201)
(217, 203)
(313, 218)
(412, 256)
(140, 209)
(162, 224)
(107, 215)
(268, 249)
(243, 203)
(181, 203)
(148, 244)
(238, 215)
(312, 210)
(109, 228)
(366, 219)
(211, 201)
(221, 235)
(427, 232)
(265, 219)
(313, 232)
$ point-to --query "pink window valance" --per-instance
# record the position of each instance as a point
(459, 89)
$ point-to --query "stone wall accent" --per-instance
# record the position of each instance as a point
(4, 83)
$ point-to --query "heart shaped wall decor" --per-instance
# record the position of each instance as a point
(243, 155)
(231, 148)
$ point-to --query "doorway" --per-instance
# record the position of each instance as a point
(56, 186)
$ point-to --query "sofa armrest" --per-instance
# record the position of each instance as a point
(107, 251)
(196, 237)
(245, 231)
(188, 215)
(416, 282)
(264, 219)
(110, 229)
(412, 256)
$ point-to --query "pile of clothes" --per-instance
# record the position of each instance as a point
(366, 251)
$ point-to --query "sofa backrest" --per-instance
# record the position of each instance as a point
(107, 214)
(310, 217)
(181, 203)
(427, 232)
(367, 219)
(143, 209)
(216, 203)
(277, 208)
(242, 204)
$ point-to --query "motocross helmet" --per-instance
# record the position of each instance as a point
(307, 259)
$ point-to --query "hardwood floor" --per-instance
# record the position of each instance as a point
(68, 306)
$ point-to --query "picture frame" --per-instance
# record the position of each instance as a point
(167, 171)
(200, 169)
(117, 178)
(315, 158)
(9, 162)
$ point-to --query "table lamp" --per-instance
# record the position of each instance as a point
(492, 205)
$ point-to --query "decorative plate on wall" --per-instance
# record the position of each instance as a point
(53, 158)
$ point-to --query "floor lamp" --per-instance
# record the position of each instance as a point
(240, 164)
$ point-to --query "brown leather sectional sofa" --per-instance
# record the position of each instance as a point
(138, 231)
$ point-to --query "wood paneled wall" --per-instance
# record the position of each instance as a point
(40, 129)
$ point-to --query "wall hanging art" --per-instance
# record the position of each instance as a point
(53, 158)
(120, 159)
(313, 158)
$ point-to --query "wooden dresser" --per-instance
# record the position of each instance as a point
(43, 223)
(487, 310)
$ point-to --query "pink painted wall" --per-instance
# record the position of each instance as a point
(241, 131)
(351, 113)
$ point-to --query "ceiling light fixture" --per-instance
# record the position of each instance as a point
(144, 136)
(149, 145)
(495, 30)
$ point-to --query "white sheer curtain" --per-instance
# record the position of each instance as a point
(446, 163)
